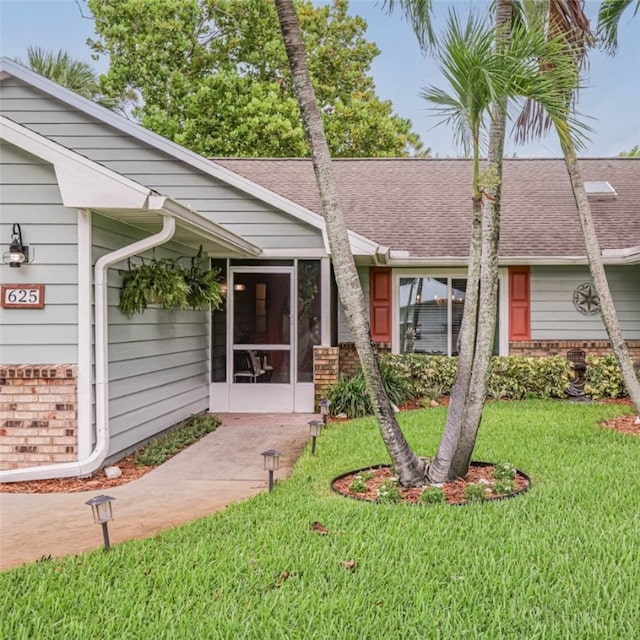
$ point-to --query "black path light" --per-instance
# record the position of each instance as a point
(271, 464)
(324, 409)
(315, 429)
(102, 513)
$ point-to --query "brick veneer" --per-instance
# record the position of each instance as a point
(38, 415)
(331, 362)
(560, 347)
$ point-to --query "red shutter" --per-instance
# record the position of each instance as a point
(519, 304)
(380, 303)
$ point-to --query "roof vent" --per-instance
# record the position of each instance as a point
(600, 190)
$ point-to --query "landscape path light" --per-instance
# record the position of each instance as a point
(102, 513)
(271, 464)
(315, 429)
(324, 409)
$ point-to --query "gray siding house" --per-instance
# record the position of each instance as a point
(91, 193)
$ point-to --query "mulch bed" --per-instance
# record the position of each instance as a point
(96, 482)
(453, 491)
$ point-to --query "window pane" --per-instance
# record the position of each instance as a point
(261, 308)
(219, 331)
(458, 294)
(309, 312)
(263, 367)
(423, 315)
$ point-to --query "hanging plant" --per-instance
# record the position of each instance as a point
(205, 290)
(167, 283)
(156, 282)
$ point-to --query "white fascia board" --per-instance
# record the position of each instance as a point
(200, 224)
(84, 184)
(630, 255)
(453, 261)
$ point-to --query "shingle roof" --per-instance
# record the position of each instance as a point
(424, 205)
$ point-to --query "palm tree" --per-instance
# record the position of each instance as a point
(483, 69)
(578, 38)
(409, 467)
(73, 74)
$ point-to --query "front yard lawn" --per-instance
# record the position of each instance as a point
(560, 561)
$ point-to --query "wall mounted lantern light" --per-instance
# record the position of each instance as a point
(18, 252)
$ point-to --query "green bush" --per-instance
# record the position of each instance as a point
(519, 377)
(432, 495)
(167, 445)
(413, 375)
(603, 377)
(350, 395)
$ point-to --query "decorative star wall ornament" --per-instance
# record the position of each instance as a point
(585, 299)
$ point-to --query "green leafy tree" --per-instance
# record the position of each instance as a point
(73, 74)
(213, 76)
(634, 152)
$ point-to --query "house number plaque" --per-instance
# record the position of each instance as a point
(22, 296)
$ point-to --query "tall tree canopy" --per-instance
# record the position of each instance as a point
(213, 76)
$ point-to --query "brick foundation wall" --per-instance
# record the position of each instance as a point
(329, 363)
(349, 360)
(560, 348)
(38, 415)
(325, 372)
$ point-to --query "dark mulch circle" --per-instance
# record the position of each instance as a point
(453, 491)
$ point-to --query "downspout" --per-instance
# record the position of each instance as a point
(90, 464)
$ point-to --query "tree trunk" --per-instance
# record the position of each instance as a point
(599, 277)
(480, 309)
(409, 467)
(439, 469)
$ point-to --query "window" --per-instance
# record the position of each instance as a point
(431, 315)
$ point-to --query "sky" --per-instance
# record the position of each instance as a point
(611, 99)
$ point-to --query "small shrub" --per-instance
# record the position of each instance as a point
(475, 492)
(504, 471)
(432, 495)
(502, 487)
(604, 378)
(519, 377)
(349, 396)
(358, 485)
(389, 491)
(172, 442)
(396, 375)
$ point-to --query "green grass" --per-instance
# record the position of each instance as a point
(560, 561)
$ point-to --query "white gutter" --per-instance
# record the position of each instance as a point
(93, 462)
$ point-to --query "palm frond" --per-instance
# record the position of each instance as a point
(608, 19)
(418, 14)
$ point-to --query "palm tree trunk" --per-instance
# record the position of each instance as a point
(478, 326)
(599, 277)
(409, 467)
(439, 469)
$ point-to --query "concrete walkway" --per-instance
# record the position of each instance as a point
(224, 467)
